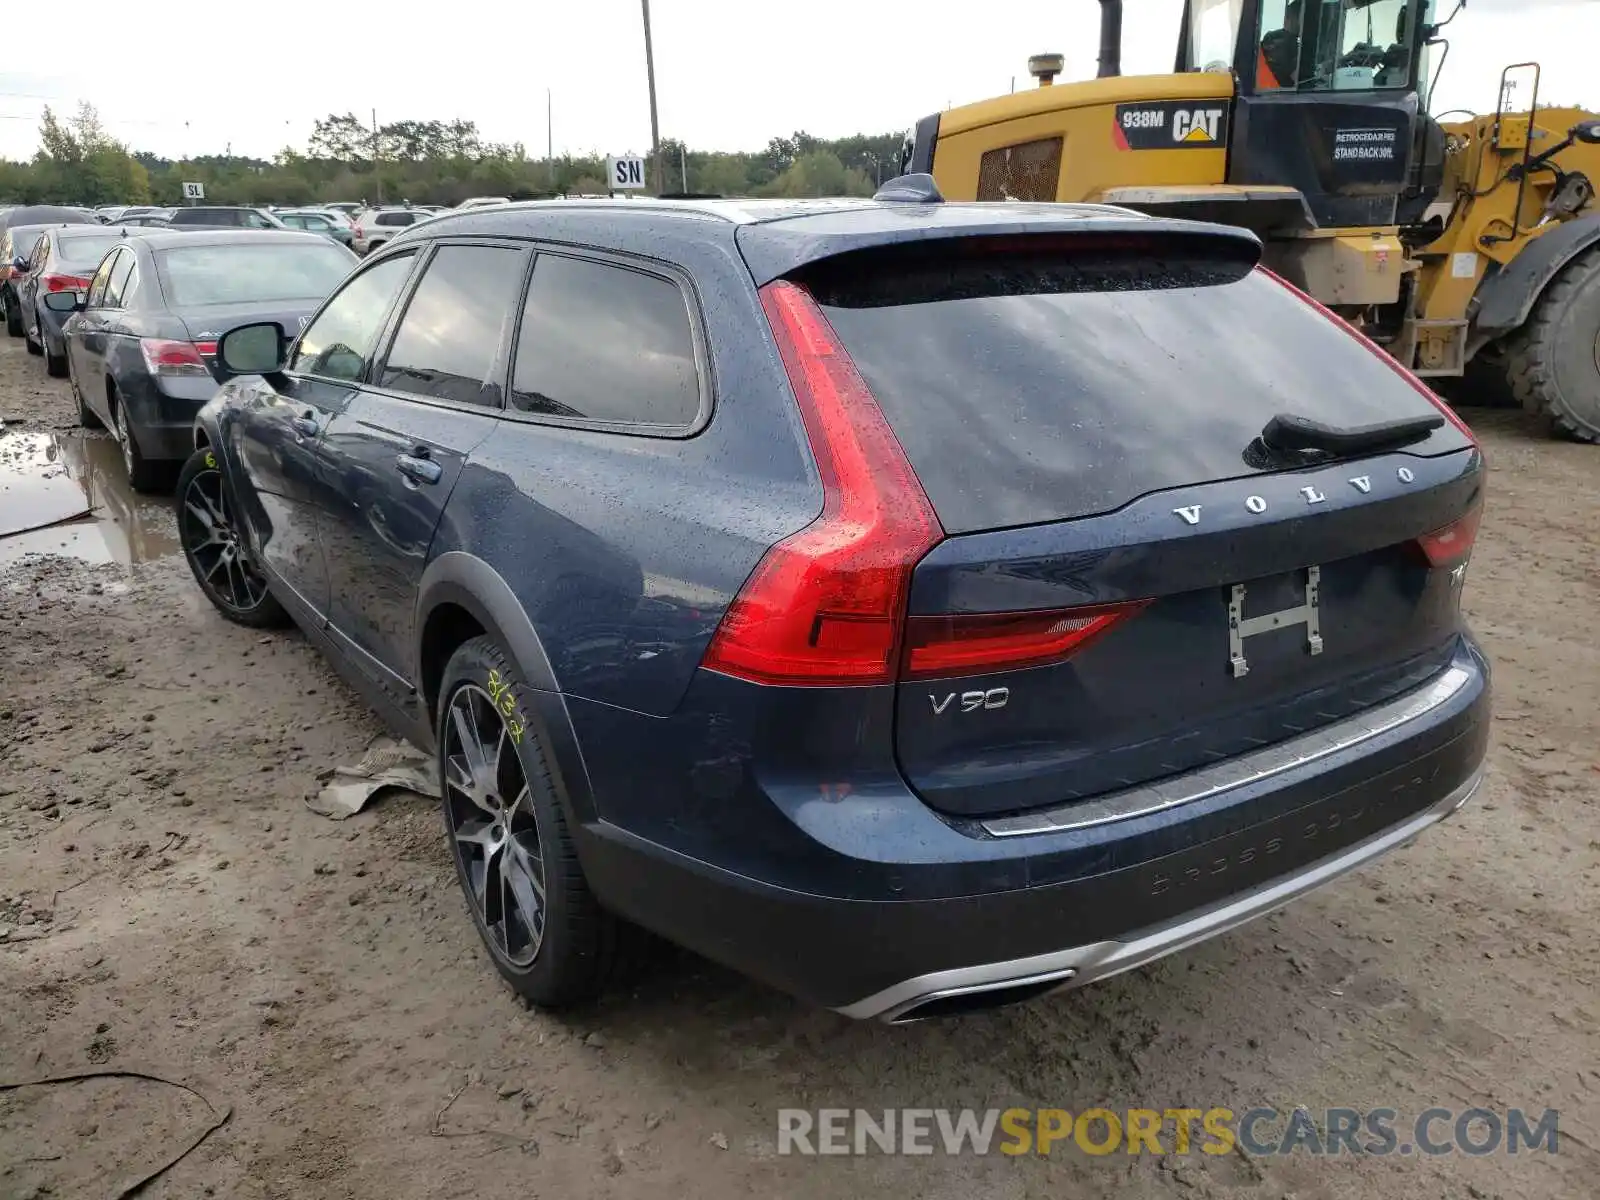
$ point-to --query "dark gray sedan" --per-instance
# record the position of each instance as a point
(63, 260)
(141, 347)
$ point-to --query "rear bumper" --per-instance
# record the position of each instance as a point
(1079, 965)
(161, 412)
(870, 903)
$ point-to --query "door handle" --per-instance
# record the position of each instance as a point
(419, 468)
(305, 425)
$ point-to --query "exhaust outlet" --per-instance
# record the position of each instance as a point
(1110, 38)
(956, 1002)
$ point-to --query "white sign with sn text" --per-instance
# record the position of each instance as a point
(194, 191)
(625, 172)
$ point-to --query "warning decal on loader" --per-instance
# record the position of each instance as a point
(1171, 125)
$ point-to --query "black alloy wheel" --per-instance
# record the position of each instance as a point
(493, 826)
(511, 836)
(216, 554)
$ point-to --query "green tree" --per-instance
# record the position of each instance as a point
(341, 136)
(819, 173)
(78, 162)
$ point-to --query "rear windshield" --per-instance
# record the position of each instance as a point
(231, 274)
(203, 216)
(24, 238)
(85, 250)
(1065, 383)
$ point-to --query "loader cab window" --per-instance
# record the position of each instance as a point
(1212, 34)
(1337, 45)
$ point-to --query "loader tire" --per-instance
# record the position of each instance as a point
(1553, 362)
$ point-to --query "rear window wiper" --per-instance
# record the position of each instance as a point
(1287, 434)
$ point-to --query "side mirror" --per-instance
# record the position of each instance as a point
(19, 264)
(1587, 132)
(252, 349)
(64, 302)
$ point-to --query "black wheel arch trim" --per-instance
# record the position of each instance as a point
(1506, 299)
(467, 581)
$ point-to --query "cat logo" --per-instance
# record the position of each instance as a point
(1196, 125)
(1170, 125)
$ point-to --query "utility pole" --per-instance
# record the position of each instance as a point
(650, 72)
(377, 179)
(683, 165)
(550, 137)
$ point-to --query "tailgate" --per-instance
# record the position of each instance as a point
(1136, 582)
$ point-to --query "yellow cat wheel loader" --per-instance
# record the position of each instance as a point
(1304, 120)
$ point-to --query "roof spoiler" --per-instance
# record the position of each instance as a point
(778, 248)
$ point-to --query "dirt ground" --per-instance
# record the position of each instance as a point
(169, 904)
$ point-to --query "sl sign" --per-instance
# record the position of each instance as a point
(194, 191)
(625, 172)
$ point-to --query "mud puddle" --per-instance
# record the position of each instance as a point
(67, 493)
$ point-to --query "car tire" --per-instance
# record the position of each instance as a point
(34, 348)
(235, 587)
(548, 936)
(143, 475)
(55, 366)
(13, 314)
(86, 415)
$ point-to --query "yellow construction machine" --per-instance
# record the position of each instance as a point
(1305, 121)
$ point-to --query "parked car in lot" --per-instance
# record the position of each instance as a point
(222, 216)
(140, 349)
(20, 227)
(154, 219)
(16, 254)
(916, 607)
(472, 202)
(64, 260)
(375, 226)
(330, 223)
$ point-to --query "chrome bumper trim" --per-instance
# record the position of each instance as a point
(1100, 960)
(1237, 772)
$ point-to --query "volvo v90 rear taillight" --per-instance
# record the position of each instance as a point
(827, 605)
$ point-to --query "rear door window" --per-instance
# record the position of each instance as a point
(448, 342)
(608, 344)
(97, 286)
(119, 279)
(1050, 384)
(339, 342)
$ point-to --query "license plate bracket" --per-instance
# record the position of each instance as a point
(1241, 627)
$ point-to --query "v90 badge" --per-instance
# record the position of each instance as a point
(970, 701)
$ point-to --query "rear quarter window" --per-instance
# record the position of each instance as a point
(1046, 385)
(606, 344)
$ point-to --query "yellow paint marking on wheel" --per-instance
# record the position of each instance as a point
(500, 694)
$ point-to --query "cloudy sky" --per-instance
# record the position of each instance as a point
(730, 73)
